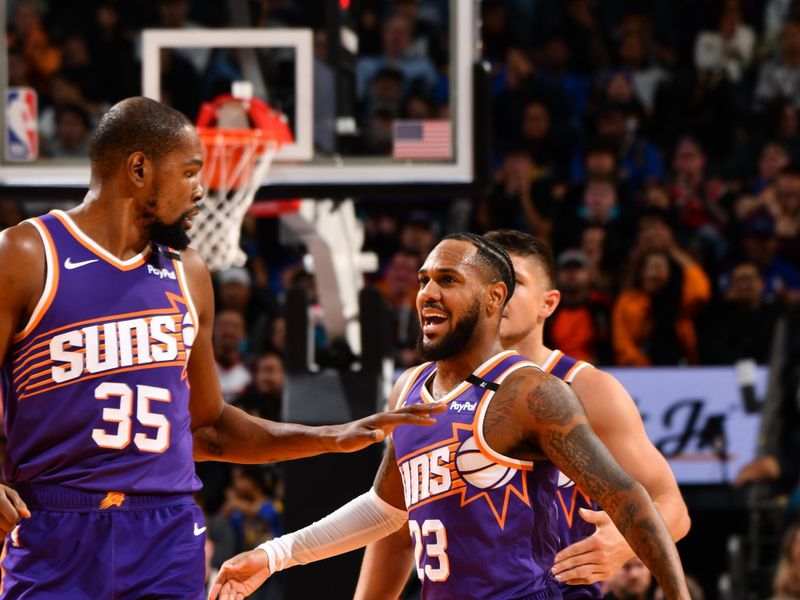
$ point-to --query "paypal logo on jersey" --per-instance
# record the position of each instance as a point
(459, 407)
(160, 273)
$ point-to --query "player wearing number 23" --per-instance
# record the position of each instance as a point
(108, 381)
(478, 488)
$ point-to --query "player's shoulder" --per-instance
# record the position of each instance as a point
(192, 262)
(594, 382)
(22, 243)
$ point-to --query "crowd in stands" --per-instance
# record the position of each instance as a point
(653, 144)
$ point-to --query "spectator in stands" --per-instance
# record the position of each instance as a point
(602, 274)
(697, 200)
(399, 287)
(382, 106)
(547, 148)
(646, 76)
(780, 77)
(632, 582)
(695, 590)
(580, 325)
(28, 32)
(555, 73)
(419, 233)
(741, 324)
(497, 34)
(639, 160)
(585, 37)
(73, 130)
(784, 208)
(759, 244)
(263, 396)
(600, 205)
(521, 198)
(418, 72)
(252, 506)
(652, 318)
(727, 52)
(228, 339)
(786, 584)
(236, 291)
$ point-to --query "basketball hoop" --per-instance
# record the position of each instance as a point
(236, 163)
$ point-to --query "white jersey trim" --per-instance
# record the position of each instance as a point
(462, 387)
(97, 248)
(483, 408)
(187, 294)
(50, 265)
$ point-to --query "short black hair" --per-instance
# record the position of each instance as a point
(527, 246)
(492, 256)
(135, 125)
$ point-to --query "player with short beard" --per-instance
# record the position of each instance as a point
(105, 321)
(477, 490)
(592, 549)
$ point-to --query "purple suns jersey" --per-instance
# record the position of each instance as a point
(483, 524)
(95, 390)
(569, 497)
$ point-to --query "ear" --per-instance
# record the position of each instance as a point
(550, 300)
(496, 297)
(138, 169)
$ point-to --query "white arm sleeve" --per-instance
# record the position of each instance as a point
(358, 523)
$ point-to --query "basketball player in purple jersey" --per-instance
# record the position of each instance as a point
(105, 325)
(477, 489)
(587, 555)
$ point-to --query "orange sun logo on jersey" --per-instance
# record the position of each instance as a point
(456, 466)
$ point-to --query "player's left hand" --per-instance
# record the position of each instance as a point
(240, 576)
(370, 430)
(595, 558)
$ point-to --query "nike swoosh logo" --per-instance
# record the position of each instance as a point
(69, 265)
(198, 530)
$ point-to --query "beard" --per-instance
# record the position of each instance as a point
(452, 343)
(170, 234)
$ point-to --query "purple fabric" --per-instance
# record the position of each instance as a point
(494, 538)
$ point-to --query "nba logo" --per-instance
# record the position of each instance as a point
(22, 130)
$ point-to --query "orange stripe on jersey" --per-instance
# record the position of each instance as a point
(573, 368)
(408, 385)
(165, 311)
(497, 360)
(51, 293)
(174, 363)
(554, 358)
(97, 249)
(2, 568)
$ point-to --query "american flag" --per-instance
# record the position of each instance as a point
(422, 139)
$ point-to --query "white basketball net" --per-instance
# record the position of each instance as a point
(216, 229)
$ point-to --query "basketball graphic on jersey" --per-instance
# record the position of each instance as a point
(564, 481)
(478, 470)
(187, 331)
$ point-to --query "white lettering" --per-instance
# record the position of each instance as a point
(439, 461)
(94, 364)
(420, 478)
(126, 328)
(160, 330)
(59, 353)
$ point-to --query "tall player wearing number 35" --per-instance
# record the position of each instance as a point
(478, 488)
(108, 379)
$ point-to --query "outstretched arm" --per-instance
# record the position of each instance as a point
(553, 418)
(224, 432)
(614, 417)
(362, 521)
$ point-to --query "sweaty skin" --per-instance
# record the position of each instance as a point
(533, 416)
(612, 415)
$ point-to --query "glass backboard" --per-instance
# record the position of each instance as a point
(378, 96)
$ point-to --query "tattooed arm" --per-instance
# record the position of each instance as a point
(551, 417)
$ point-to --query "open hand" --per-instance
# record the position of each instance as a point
(240, 576)
(370, 430)
(12, 509)
(595, 558)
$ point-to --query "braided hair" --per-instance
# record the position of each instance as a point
(493, 257)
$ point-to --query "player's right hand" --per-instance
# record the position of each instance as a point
(350, 437)
(240, 576)
(12, 509)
